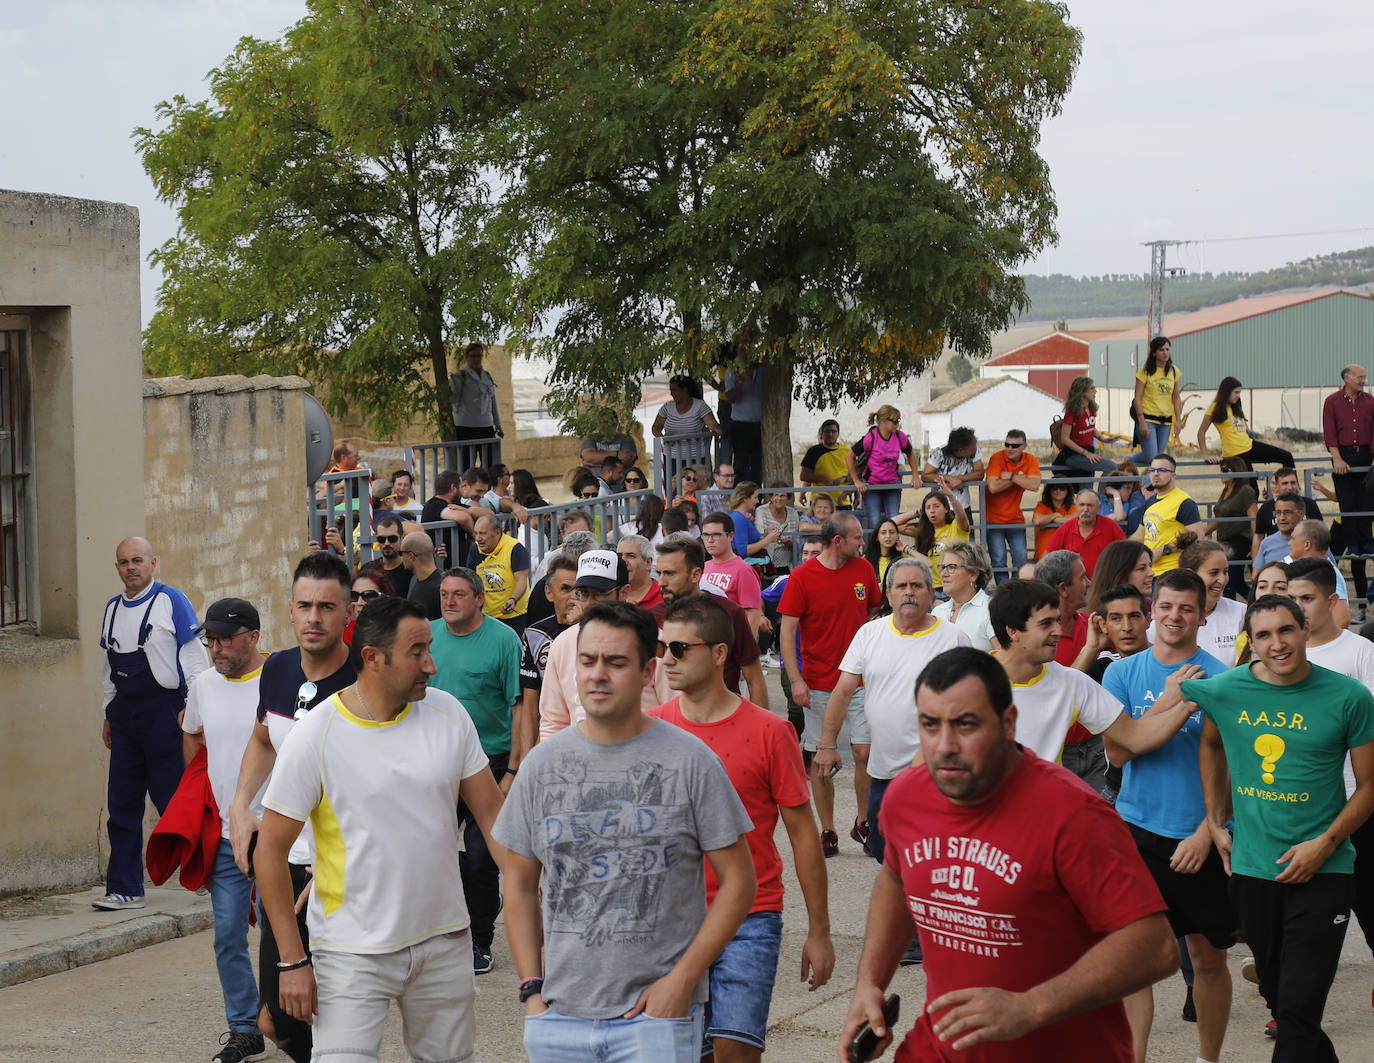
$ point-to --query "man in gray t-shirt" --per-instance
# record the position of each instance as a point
(617, 814)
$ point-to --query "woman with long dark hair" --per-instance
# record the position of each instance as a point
(524, 490)
(1054, 508)
(940, 521)
(1123, 564)
(1228, 415)
(1158, 404)
(1238, 499)
(883, 547)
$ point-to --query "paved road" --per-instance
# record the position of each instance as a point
(161, 1004)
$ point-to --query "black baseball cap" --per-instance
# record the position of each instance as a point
(229, 616)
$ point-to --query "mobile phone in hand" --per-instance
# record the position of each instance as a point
(865, 1041)
(252, 845)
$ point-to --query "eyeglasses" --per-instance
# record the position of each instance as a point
(714, 535)
(634, 481)
(1160, 468)
(305, 697)
(593, 494)
(950, 568)
(388, 538)
(365, 596)
(1013, 446)
(679, 649)
(209, 638)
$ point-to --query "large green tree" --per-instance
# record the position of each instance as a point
(334, 211)
(852, 183)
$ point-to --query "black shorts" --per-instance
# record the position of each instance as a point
(1199, 903)
(291, 1030)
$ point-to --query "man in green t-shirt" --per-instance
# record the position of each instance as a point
(1274, 740)
(477, 660)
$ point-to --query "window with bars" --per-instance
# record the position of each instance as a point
(17, 553)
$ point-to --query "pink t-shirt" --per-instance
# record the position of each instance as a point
(737, 579)
(764, 762)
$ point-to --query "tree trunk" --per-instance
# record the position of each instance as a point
(777, 421)
(432, 324)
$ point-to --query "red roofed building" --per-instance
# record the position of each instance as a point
(1049, 363)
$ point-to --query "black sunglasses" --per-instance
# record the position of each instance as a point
(388, 538)
(365, 596)
(633, 480)
(678, 649)
(594, 494)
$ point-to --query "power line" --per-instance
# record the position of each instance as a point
(1242, 239)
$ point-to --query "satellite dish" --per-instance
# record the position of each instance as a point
(319, 439)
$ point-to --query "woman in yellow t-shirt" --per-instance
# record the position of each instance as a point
(1228, 416)
(1158, 404)
(940, 521)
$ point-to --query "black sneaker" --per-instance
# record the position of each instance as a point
(912, 955)
(241, 1046)
(1189, 1008)
(482, 963)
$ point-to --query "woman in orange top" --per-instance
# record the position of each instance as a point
(1054, 508)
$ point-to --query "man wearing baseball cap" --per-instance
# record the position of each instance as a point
(601, 577)
(221, 709)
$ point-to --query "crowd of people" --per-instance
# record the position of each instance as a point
(1114, 759)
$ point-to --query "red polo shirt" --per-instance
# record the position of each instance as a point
(1070, 537)
(1347, 423)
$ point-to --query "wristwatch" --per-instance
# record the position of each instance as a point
(530, 987)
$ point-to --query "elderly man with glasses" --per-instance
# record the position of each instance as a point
(1011, 473)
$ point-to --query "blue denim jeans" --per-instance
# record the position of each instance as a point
(742, 983)
(230, 897)
(1156, 441)
(877, 845)
(552, 1037)
(880, 503)
(1000, 540)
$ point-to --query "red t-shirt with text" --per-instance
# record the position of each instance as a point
(1012, 892)
(830, 606)
(764, 762)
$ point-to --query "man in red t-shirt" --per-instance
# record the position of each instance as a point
(828, 599)
(759, 751)
(1035, 911)
(1089, 535)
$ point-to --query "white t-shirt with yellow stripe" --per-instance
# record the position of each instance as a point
(381, 798)
(1054, 700)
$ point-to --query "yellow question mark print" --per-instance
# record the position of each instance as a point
(1270, 748)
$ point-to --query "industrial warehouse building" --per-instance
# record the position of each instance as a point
(1287, 351)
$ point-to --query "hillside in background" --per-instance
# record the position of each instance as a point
(1059, 296)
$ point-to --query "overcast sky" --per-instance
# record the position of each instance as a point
(1189, 119)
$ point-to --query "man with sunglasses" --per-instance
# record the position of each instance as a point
(761, 756)
(388, 534)
(293, 682)
(221, 704)
(1011, 473)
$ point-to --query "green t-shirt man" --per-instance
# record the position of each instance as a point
(1285, 747)
(482, 670)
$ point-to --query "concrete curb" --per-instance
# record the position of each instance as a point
(54, 957)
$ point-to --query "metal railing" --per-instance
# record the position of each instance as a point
(425, 461)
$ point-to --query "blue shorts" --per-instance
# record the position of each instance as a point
(742, 982)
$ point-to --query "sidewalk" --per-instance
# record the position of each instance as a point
(56, 932)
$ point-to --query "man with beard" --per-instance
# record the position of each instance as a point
(388, 534)
(293, 682)
(1078, 924)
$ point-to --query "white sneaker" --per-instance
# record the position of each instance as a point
(118, 902)
(1249, 971)
(770, 660)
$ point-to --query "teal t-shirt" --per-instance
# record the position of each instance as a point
(482, 670)
(1285, 747)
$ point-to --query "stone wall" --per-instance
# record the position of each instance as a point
(225, 490)
(69, 280)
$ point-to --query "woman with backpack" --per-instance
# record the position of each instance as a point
(873, 465)
(1077, 433)
(1158, 404)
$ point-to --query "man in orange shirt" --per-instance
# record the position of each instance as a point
(1011, 472)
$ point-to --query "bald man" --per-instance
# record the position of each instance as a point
(149, 635)
(417, 554)
(504, 566)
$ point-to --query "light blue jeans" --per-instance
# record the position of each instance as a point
(1156, 441)
(1000, 540)
(230, 897)
(881, 502)
(552, 1037)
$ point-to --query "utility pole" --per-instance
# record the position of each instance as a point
(1155, 318)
